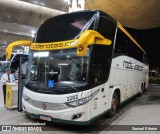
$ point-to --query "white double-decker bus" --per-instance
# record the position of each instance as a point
(82, 65)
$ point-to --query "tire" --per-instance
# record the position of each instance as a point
(142, 90)
(114, 105)
(144, 86)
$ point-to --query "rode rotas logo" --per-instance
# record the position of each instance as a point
(80, 48)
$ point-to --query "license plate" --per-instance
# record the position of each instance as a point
(46, 118)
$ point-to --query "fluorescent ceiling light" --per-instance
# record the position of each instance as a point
(63, 64)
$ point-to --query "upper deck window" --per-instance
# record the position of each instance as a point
(64, 27)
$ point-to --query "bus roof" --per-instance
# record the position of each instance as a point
(114, 21)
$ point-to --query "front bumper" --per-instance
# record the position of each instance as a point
(60, 116)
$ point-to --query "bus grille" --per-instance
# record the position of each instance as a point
(46, 105)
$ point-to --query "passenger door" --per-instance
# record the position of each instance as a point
(101, 65)
(99, 76)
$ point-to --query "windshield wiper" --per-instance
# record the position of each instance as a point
(71, 87)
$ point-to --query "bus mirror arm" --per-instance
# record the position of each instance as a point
(90, 37)
(16, 43)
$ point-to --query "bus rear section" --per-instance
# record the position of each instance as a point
(130, 65)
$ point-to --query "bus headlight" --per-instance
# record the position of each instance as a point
(79, 102)
(25, 97)
(62, 106)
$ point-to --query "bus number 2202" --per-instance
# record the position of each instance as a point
(73, 97)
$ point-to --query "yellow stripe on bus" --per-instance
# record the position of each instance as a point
(123, 29)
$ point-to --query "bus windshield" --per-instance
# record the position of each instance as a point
(65, 27)
(4, 57)
(57, 67)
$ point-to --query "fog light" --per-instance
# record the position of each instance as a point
(24, 108)
(77, 116)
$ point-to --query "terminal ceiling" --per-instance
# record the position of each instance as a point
(19, 19)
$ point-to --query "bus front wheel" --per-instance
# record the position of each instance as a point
(114, 104)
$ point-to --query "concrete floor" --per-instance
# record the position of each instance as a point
(143, 114)
(137, 115)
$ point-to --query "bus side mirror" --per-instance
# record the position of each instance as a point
(16, 43)
(90, 37)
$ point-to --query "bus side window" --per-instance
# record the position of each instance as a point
(121, 44)
(106, 28)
